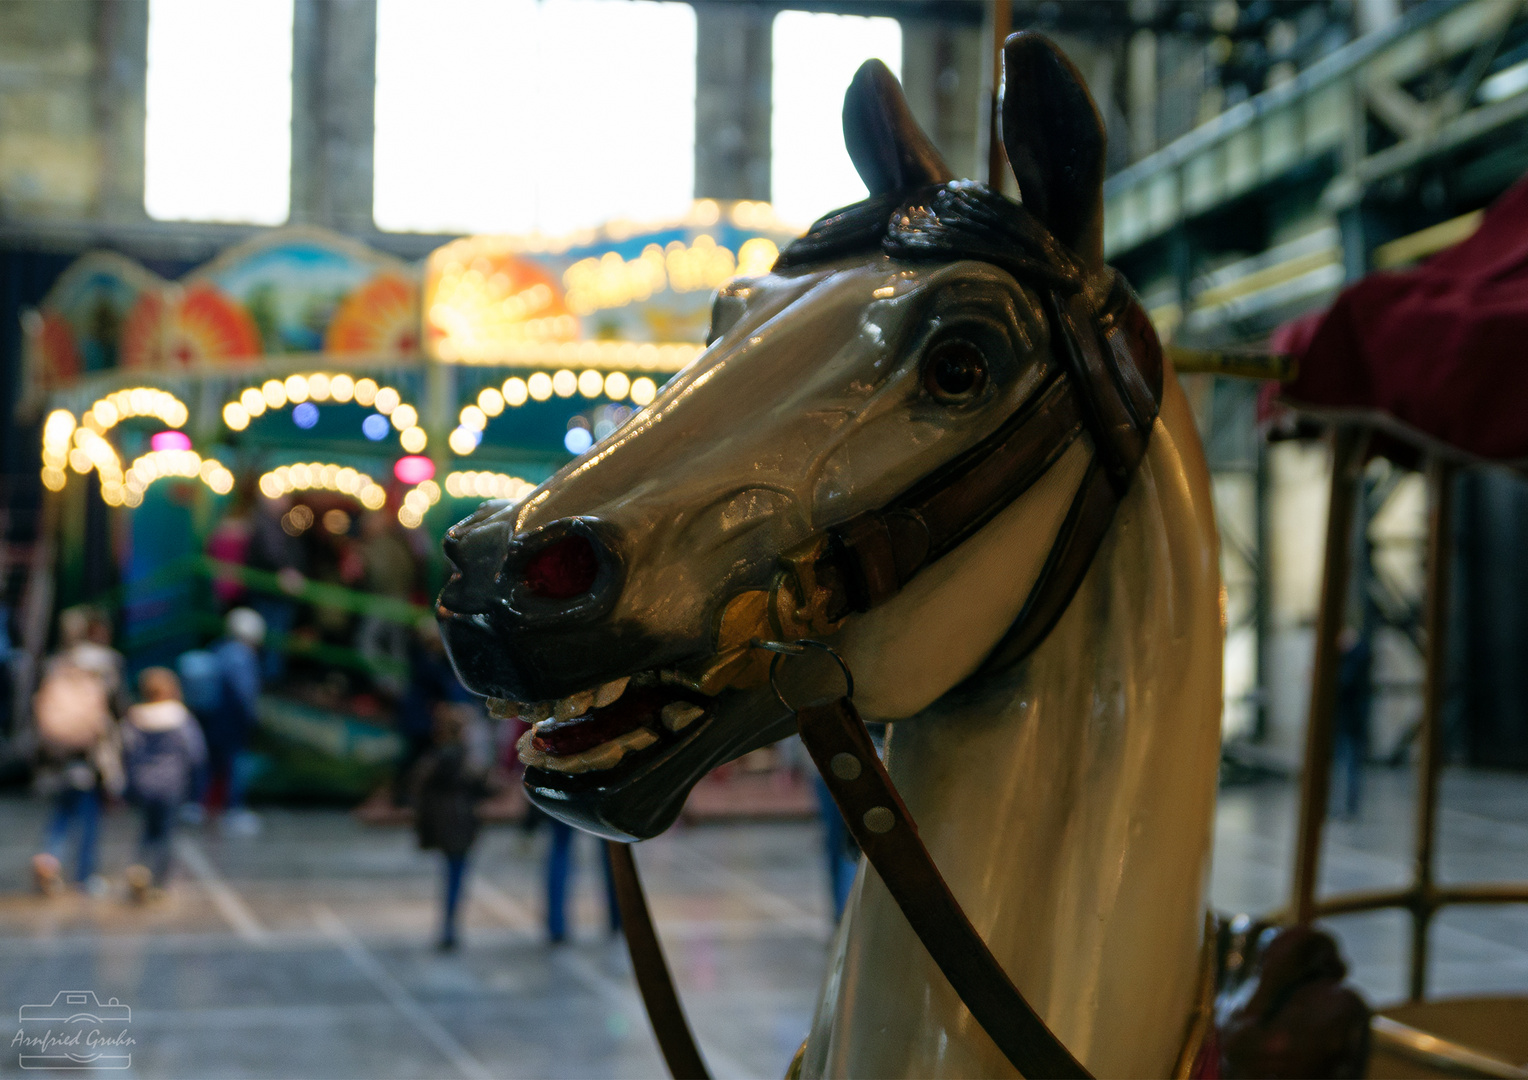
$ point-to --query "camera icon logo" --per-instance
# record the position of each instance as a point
(82, 1032)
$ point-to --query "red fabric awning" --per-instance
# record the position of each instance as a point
(1443, 349)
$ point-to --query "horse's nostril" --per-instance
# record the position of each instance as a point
(562, 570)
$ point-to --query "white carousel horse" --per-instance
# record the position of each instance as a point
(1067, 796)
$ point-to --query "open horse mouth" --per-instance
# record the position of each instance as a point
(619, 760)
(616, 724)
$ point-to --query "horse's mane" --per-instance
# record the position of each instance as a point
(960, 219)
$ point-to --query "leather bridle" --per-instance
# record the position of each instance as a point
(1105, 382)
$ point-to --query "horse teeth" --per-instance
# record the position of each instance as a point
(607, 755)
(680, 714)
(610, 692)
(573, 705)
(534, 713)
(504, 709)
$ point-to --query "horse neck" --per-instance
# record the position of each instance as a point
(1068, 804)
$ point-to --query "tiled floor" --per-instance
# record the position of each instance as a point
(305, 951)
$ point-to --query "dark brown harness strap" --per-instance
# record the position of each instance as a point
(658, 994)
(836, 737)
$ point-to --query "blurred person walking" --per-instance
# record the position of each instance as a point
(162, 750)
(228, 726)
(559, 879)
(448, 786)
(84, 636)
(1355, 696)
(78, 754)
(432, 682)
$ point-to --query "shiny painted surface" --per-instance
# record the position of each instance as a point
(1068, 804)
(810, 408)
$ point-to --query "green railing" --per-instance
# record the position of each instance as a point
(318, 593)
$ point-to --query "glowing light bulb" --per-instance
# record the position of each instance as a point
(235, 416)
(296, 388)
(564, 383)
(591, 384)
(491, 401)
(617, 385)
(386, 401)
(365, 391)
(342, 388)
(539, 385)
(472, 418)
(413, 439)
(253, 401)
(462, 441)
(274, 392)
(515, 391)
(643, 391)
(404, 417)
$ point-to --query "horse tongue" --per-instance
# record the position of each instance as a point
(597, 726)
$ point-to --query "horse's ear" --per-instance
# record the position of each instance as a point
(1055, 142)
(888, 148)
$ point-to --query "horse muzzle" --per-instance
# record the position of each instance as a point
(528, 616)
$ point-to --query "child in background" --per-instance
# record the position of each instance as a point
(447, 788)
(162, 749)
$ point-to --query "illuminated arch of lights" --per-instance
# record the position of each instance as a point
(540, 386)
(161, 464)
(82, 445)
(321, 387)
(487, 485)
(318, 476)
(107, 412)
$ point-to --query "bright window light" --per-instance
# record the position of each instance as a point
(815, 56)
(218, 137)
(517, 116)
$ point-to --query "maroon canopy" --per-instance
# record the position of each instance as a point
(1443, 349)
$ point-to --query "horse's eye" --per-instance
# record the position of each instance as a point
(955, 371)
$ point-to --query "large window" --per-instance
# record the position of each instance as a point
(218, 139)
(519, 116)
(815, 56)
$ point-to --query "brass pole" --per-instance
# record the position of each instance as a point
(1440, 499)
(1348, 446)
(997, 161)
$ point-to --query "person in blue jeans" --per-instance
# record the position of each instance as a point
(559, 879)
(448, 786)
(228, 726)
(78, 760)
(162, 751)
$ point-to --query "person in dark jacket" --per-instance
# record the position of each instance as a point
(162, 750)
(447, 788)
(431, 683)
(229, 726)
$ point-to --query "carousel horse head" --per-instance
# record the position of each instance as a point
(915, 364)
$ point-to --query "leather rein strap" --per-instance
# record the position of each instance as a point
(840, 746)
(1109, 385)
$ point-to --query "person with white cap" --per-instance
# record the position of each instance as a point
(228, 727)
